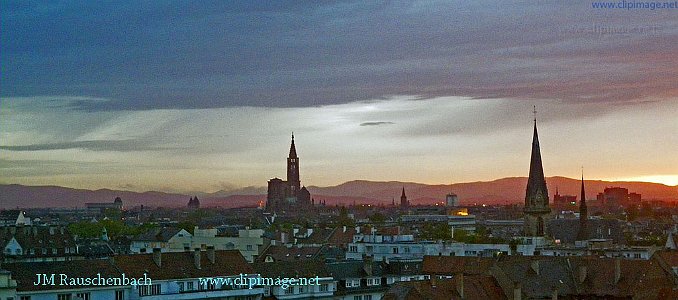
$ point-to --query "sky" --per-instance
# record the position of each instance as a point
(203, 96)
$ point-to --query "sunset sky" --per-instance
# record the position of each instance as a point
(194, 96)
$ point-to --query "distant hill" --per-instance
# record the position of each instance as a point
(500, 191)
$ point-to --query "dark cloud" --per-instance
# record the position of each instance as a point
(376, 123)
(184, 55)
(98, 145)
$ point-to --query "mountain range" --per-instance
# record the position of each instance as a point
(500, 191)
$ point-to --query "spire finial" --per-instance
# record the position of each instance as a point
(582, 173)
(534, 111)
(292, 135)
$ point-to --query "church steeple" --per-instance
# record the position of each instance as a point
(403, 200)
(583, 213)
(293, 149)
(536, 195)
(293, 170)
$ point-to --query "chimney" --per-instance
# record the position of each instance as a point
(344, 229)
(157, 257)
(582, 274)
(51, 230)
(460, 284)
(61, 230)
(617, 270)
(554, 294)
(196, 257)
(517, 291)
(433, 281)
(210, 254)
(535, 266)
(367, 265)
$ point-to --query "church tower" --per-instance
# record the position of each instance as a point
(582, 234)
(293, 170)
(403, 200)
(536, 197)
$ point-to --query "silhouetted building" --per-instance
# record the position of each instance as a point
(288, 195)
(101, 207)
(194, 203)
(403, 200)
(537, 196)
(618, 196)
(582, 234)
(563, 201)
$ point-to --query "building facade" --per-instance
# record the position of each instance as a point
(289, 195)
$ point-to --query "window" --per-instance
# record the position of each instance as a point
(636, 255)
(17, 251)
(324, 287)
(189, 286)
(358, 297)
(353, 249)
(289, 290)
(181, 286)
(407, 249)
(54, 251)
(25, 298)
(120, 295)
(147, 290)
(373, 281)
(64, 297)
(301, 289)
(395, 250)
(368, 297)
(249, 247)
(83, 296)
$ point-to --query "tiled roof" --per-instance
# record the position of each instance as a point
(319, 236)
(293, 253)
(454, 264)
(475, 287)
(669, 256)
(157, 234)
(176, 265)
(342, 238)
(291, 269)
(38, 238)
(540, 276)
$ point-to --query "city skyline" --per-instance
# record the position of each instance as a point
(194, 98)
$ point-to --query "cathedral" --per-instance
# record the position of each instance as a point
(537, 208)
(288, 195)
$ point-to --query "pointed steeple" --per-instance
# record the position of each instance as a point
(293, 149)
(403, 199)
(583, 213)
(537, 193)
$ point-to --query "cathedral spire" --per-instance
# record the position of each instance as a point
(293, 149)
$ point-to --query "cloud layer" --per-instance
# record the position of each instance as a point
(177, 54)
